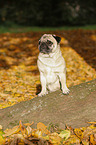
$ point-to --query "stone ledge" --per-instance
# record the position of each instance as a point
(75, 109)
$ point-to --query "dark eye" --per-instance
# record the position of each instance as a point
(39, 42)
(49, 42)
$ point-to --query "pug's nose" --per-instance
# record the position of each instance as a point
(42, 46)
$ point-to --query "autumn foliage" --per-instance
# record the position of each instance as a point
(24, 134)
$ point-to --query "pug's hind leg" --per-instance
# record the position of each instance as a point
(43, 85)
(64, 88)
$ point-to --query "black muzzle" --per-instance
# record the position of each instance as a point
(43, 48)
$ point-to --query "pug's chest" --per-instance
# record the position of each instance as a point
(50, 75)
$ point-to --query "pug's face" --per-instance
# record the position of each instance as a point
(48, 43)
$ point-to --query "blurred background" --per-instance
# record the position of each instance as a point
(48, 12)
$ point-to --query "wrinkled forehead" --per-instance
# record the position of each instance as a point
(46, 37)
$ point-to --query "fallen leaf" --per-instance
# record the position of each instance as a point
(9, 132)
(65, 134)
(42, 127)
(92, 140)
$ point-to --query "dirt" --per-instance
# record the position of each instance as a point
(75, 109)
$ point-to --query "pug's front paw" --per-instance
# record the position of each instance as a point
(41, 94)
(66, 91)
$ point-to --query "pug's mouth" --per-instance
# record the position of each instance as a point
(43, 48)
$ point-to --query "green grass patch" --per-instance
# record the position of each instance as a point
(13, 28)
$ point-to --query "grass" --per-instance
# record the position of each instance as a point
(13, 28)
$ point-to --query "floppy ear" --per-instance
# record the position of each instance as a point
(58, 39)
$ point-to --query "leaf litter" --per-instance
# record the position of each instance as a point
(24, 134)
(19, 79)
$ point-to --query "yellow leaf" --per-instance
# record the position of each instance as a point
(1, 137)
(46, 137)
(9, 132)
(92, 122)
(65, 134)
(92, 140)
(1, 140)
(92, 126)
(37, 133)
(73, 139)
(54, 138)
(42, 127)
(28, 124)
(78, 133)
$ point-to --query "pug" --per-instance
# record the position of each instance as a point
(51, 65)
